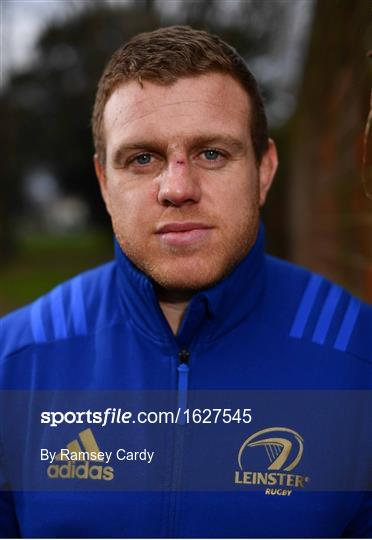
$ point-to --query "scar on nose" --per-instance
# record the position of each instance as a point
(180, 162)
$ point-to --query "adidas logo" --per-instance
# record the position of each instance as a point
(79, 460)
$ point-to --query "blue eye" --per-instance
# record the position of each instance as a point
(143, 159)
(211, 154)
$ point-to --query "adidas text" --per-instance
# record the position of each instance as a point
(82, 471)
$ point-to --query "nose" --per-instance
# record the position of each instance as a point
(179, 184)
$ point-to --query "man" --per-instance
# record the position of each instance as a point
(190, 304)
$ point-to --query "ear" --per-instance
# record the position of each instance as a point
(101, 176)
(267, 170)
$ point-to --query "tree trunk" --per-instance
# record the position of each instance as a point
(330, 216)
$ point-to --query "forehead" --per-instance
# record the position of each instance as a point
(192, 105)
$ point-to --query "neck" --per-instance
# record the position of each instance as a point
(173, 305)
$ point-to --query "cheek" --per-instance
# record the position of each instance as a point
(132, 205)
(236, 205)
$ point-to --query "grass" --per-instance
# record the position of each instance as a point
(43, 261)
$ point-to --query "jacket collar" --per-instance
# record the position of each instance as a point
(211, 312)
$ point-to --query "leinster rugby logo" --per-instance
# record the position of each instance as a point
(267, 458)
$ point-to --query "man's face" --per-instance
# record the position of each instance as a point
(180, 181)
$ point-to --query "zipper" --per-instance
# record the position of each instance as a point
(183, 383)
(182, 389)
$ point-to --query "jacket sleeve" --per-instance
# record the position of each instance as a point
(361, 525)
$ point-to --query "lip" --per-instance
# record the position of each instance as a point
(181, 227)
(183, 233)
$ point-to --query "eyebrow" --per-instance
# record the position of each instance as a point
(234, 144)
(216, 140)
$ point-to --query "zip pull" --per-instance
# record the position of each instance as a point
(183, 356)
(183, 380)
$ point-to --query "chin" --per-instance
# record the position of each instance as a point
(188, 277)
(188, 270)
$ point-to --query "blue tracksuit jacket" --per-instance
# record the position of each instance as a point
(271, 337)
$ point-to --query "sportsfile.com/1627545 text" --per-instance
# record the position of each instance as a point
(120, 416)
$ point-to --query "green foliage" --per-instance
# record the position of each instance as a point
(44, 261)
